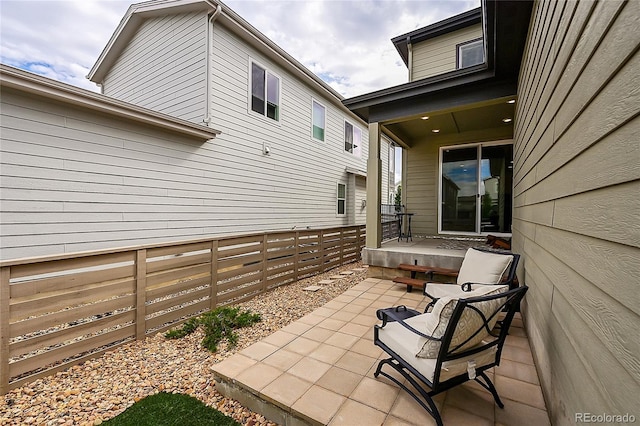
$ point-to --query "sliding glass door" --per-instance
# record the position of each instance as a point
(475, 188)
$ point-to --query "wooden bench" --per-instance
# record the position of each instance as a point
(410, 282)
(427, 270)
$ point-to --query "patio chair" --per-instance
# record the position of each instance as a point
(478, 266)
(454, 343)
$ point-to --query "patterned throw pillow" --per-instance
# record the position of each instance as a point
(470, 321)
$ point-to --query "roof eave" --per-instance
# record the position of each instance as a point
(41, 86)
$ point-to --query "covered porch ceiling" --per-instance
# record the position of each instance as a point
(496, 115)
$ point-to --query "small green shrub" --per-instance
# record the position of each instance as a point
(218, 325)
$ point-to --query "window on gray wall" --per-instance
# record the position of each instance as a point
(265, 92)
(342, 200)
(470, 53)
(319, 120)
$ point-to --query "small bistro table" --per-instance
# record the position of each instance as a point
(407, 223)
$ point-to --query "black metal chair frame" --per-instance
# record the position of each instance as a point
(511, 301)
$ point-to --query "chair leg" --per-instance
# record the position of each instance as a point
(426, 401)
(488, 385)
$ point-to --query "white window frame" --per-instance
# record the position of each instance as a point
(467, 44)
(268, 72)
(338, 199)
(324, 122)
(356, 150)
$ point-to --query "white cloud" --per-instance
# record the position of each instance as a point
(347, 43)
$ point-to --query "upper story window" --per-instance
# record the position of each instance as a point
(265, 92)
(470, 53)
(352, 139)
(319, 120)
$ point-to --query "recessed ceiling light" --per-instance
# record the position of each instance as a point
(436, 130)
(426, 117)
(506, 120)
(512, 101)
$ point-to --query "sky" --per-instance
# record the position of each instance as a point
(345, 42)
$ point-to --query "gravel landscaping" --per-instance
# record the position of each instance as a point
(100, 389)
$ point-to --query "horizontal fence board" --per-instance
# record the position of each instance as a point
(29, 306)
(235, 241)
(252, 290)
(50, 320)
(274, 282)
(278, 244)
(62, 366)
(55, 266)
(176, 287)
(178, 262)
(44, 285)
(159, 279)
(239, 260)
(179, 249)
(44, 340)
(237, 282)
(171, 316)
(276, 254)
(238, 252)
(178, 300)
(236, 272)
(58, 354)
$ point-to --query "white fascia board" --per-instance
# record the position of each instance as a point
(41, 86)
(354, 171)
(130, 23)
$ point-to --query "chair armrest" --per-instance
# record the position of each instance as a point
(399, 319)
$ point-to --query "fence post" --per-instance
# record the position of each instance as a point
(341, 246)
(265, 258)
(213, 294)
(358, 249)
(296, 260)
(141, 286)
(321, 250)
(5, 293)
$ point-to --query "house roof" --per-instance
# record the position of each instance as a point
(505, 27)
(463, 20)
(138, 12)
(41, 86)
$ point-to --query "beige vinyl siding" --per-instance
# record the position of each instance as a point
(438, 55)
(163, 67)
(576, 222)
(299, 176)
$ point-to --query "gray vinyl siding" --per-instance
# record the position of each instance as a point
(438, 55)
(576, 222)
(163, 67)
(74, 180)
(299, 177)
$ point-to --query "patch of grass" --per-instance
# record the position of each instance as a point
(218, 324)
(168, 409)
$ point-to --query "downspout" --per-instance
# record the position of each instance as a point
(410, 58)
(208, 112)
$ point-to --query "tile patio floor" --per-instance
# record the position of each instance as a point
(319, 370)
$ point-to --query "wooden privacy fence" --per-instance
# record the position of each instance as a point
(57, 311)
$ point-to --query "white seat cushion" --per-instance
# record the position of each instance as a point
(482, 267)
(403, 342)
